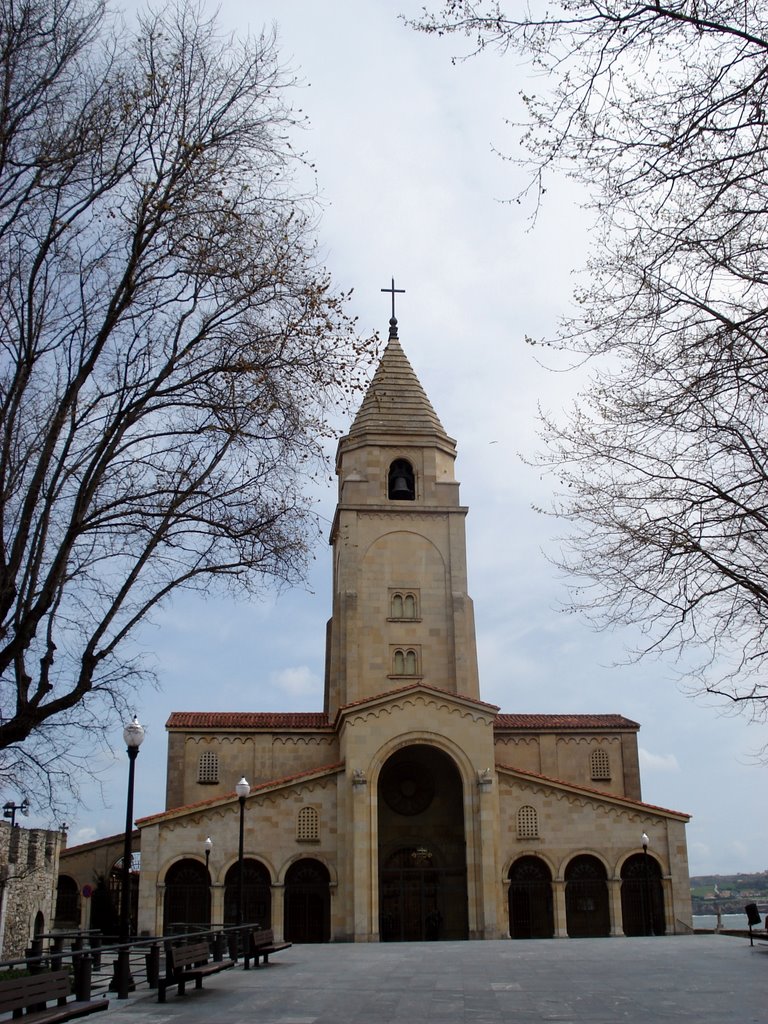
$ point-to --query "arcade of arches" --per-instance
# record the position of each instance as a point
(409, 808)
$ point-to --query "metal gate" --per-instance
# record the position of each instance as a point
(307, 902)
(531, 910)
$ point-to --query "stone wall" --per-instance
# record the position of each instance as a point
(29, 868)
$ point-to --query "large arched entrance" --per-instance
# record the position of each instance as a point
(257, 894)
(307, 902)
(187, 901)
(422, 855)
(642, 896)
(586, 898)
(531, 913)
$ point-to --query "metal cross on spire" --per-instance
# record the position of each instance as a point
(393, 321)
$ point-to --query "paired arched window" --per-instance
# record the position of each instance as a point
(600, 765)
(307, 825)
(403, 604)
(208, 767)
(401, 481)
(527, 823)
(405, 662)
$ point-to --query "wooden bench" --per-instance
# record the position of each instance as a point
(188, 963)
(29, 995)
(262, 943)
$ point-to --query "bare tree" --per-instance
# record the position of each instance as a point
(171, 351)
(661, 110)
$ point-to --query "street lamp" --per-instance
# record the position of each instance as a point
(10, 808)
(647, 915)
(208, 844)
(242, 789)
(133, 734)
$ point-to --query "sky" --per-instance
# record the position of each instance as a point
(409, 147)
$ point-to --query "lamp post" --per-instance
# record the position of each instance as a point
(10, 808)
(133, 734)
(242, 789)
(648, 913)
(208, 844)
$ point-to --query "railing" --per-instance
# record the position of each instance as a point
(94, 965)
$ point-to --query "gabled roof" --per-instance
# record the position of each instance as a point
(539, 723)
(294, 721)
(229, 798)
(524, 774)
(395, 402)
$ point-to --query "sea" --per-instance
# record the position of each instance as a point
(729, 921)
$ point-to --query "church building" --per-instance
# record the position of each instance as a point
(408, 808)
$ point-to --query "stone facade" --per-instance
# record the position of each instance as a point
(29, 868)
(409, 808)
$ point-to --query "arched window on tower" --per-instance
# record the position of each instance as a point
(401, 481)
(405, 661)
(600, 765)
(403, 604)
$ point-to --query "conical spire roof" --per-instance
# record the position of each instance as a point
(395, 402)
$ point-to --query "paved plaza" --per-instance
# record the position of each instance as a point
(702, 979)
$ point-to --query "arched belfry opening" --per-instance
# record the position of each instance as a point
(401, 481)
(422, 853)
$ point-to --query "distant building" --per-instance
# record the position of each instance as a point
(29, 868)
(408, 808)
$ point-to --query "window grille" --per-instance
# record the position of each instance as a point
(527, 823)
(208, 768)
(600, 765)
(307, 825)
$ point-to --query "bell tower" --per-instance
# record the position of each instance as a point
(401, 612)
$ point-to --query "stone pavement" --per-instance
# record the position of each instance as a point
(700, 979)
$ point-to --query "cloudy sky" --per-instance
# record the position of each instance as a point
(407, 144)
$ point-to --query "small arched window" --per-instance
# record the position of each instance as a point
(307, 825)
(405, 662)
(208, 767)
(401, 482)
(527, 823)
(403, 604)
(600, 765)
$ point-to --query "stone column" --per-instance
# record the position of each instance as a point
(159, 908)
(217, 903)
(278, 910)
(489, 924)
(361, 856)
(614, 907)
(505, 884)
(561, 923)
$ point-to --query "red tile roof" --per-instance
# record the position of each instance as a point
(539, 722)
(247, 720)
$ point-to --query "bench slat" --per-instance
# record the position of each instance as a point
(36, 990)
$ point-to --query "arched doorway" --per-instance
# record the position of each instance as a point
(422, 855)
(307, 902)
(67, 915)
(257, 894)
(586, 898)
(531, 912)
(642, 896)
(187, 902)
